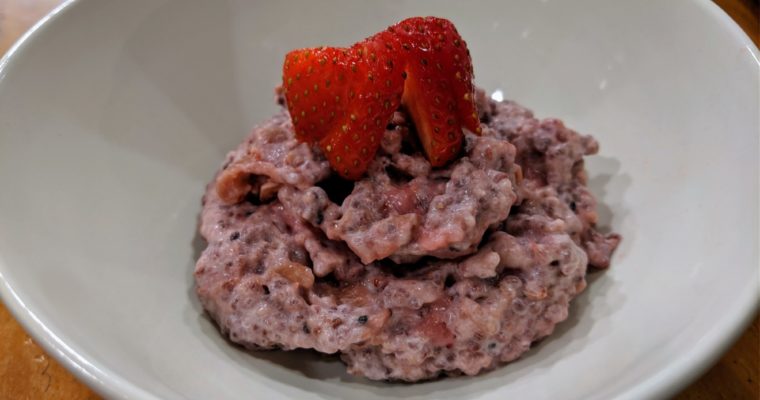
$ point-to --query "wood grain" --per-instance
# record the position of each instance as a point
(26, 372)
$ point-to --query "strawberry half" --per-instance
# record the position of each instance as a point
(438, 92)
(342, 98)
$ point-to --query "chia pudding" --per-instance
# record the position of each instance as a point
(411, 272)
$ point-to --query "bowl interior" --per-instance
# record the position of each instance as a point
(115, 116)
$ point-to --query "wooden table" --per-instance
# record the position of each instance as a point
(26, 372)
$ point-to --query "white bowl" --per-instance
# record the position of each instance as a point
(114, 115)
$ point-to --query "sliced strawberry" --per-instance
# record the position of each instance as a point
(342, 99)
(438, 92)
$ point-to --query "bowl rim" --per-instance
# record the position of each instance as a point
(664, 382)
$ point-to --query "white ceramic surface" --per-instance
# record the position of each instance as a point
(115, 114)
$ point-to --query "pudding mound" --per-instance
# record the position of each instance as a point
(410, 272)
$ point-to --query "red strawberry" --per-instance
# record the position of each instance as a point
(438, 92)
(343, 98)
